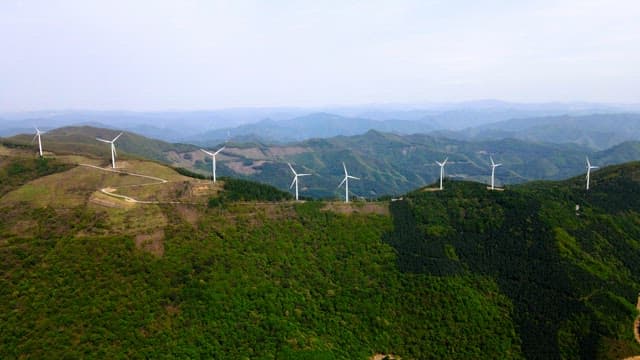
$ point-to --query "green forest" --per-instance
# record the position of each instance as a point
(459, 273)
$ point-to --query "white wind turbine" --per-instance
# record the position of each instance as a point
(493, 173)
(213, 157)
(442, 164)
(589, 167)
(37, 135)
(295, 179)
(345, 181)
(113, 148)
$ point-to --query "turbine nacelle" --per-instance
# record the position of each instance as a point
(493, 164)
(113, 148)
(589, 168)
(295, 179)
(213, 162)
(346, 182)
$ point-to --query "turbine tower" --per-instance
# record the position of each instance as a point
(113, 148)
(589, 167)
(442, 164)
(295, 179)
(493, 173)
(345, 181)
(213, 156)
(37, 135)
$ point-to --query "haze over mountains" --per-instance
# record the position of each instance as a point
(293, 124)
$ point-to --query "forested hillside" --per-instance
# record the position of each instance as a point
(239, 270)
(572, 275)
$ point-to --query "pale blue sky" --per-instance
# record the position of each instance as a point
(206, 54)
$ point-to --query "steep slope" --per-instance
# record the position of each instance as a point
(235, 279)
(572, 275)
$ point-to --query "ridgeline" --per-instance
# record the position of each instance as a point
(237, 270)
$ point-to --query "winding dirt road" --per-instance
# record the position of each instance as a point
(110, 191)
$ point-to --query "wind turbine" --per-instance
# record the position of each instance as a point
(493, 172)
(442, 164)
(345, 181)
(37, 135)
(213, 156)
(295, 179)
(113, 148)
(589, 167)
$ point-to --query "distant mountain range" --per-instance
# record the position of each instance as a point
(387, 163)
(318, 125)
(597, 131)
(283, 124)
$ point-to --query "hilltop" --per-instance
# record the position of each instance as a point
(104, 264)
(387, 163)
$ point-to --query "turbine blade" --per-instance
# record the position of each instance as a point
(588, 163)
(342, 182)
(206, 152)
(291, 167)
(439, 163)
(34, 138)
(345, 169)
(216, 153)
(295, 178)
(116, 138)
(496, 165)
(104, 141)
(445, 161)
(353, 177)
(304, 174)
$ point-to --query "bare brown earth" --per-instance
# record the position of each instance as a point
(250, 153)
(286, 150)
(384, 356)
(188, 213)
(152, 243)
(357, 208)
(240, 168)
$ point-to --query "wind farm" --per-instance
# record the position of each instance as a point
(295, 179)
(493, 174)
(345, 181)
(442, 165)
(589, 168)
(112, 148)
(38, 136)
(156, 207)
(213, 161)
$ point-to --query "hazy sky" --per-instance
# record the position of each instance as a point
(206, 54)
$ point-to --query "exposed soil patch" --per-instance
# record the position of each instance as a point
(172, 309)
(23, 227)
(188, 213)
(239, 167)
(152, 243)
(357, 208)
(384, 357)
(286, 150)
(250, 153)
(107, 201)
